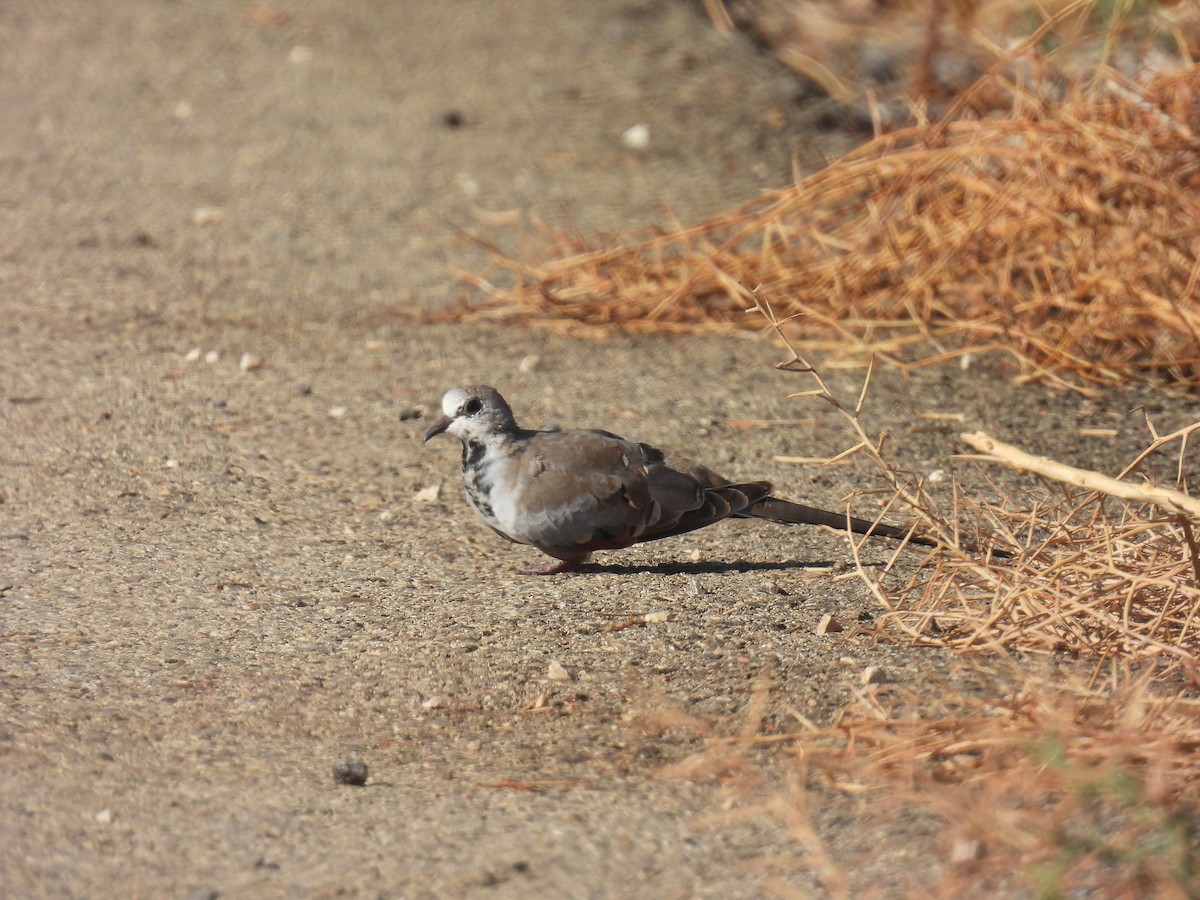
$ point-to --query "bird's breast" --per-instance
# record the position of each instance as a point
(486, 474)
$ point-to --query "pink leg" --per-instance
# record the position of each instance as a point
(563, 565)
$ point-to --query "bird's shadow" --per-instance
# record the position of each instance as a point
(701, 568)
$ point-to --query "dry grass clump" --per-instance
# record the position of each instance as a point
(1090, 564)
(1034, 784)
(1064, 234)
(1099, 576)
(1046, 787)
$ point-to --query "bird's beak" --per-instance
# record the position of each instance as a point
(437, 428)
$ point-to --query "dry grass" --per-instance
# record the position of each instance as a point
(933, 49)
(1064, 235)
(1047, 787)
(1100, 576)
(1033, 784)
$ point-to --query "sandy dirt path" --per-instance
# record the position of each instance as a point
(216, 583)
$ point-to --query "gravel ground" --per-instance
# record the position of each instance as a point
(224, 575)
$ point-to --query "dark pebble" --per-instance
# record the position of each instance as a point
(350, 771)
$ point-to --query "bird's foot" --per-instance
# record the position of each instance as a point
(563, 565)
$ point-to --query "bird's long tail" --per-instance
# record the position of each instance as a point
(798, 514)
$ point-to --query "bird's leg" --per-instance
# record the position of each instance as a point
(563, 565)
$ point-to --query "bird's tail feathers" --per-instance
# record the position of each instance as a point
(798, 514)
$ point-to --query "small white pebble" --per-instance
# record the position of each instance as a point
(657, 617)
(182, 110)
(966, 361)
(105, 816)
(207, 215)
(469, 186)
(172, 464)
(636, 137)
(250, 361)
(937, 476)
(192, 355)
(386, 516)
(337, 412)
(300, 55)
(432, 703)
(530, 363)
(965, 850)
(212, 356)
(428, 494)
(557, 672)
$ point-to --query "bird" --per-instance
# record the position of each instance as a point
(570, 492)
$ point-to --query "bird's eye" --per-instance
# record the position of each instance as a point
(472, 406)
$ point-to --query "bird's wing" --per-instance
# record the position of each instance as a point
(593, 490)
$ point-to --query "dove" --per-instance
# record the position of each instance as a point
(571, 492)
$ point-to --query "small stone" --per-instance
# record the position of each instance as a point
(212, 356)
(428, 494)
(873, 675)
(409, 413)
(205, 216)
(250, 362)
(337, 412)
(828, 625)
(182, 110)
(453, 118)
(636, 137)
(432, 703)
(530, 363)
(172, 463)
(300, 55)
(303, 388)
(192, 355)
(557, 672)
(386, 516)
(469, 186)
(350, 771)
(657, 617)
(937, 476)
(105, 816)
(965, 850)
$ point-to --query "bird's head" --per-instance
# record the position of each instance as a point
(473, 413)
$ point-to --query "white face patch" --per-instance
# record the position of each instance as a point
(453, 400)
